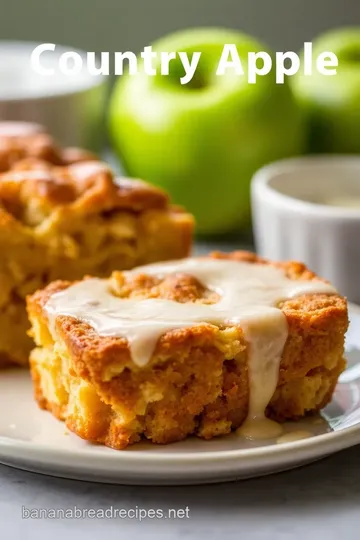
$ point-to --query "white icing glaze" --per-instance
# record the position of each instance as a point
(249, 294)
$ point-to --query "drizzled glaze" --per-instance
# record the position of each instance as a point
(249, 294)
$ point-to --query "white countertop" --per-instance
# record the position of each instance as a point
(319, 501)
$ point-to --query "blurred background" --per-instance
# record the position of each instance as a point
(118, 25)
(202, 144)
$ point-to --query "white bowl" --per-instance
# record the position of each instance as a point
(308, 209)
(71, 107)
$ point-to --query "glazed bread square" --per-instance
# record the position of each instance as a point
(197, 379)
(66, 222)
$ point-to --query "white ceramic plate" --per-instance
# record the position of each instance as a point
(33, 440)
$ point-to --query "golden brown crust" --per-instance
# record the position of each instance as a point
(87, 187)
(28, 141)
(196, 381)
(72, 155)
(38, 173)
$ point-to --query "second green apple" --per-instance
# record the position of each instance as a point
(331, 105)
(203, 141)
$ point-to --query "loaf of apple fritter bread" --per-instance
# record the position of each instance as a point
(197, 378)
(24, 140)
(66, 222)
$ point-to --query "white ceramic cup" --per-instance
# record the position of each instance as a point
(71, 107)
(308, 209)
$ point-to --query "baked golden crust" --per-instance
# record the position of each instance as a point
(66, 222)
(83, 188)
(21, 141)
(197, 379)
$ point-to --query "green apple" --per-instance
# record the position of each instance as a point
(203, 141)
(331, 104)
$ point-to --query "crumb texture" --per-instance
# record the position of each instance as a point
(22, 142)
